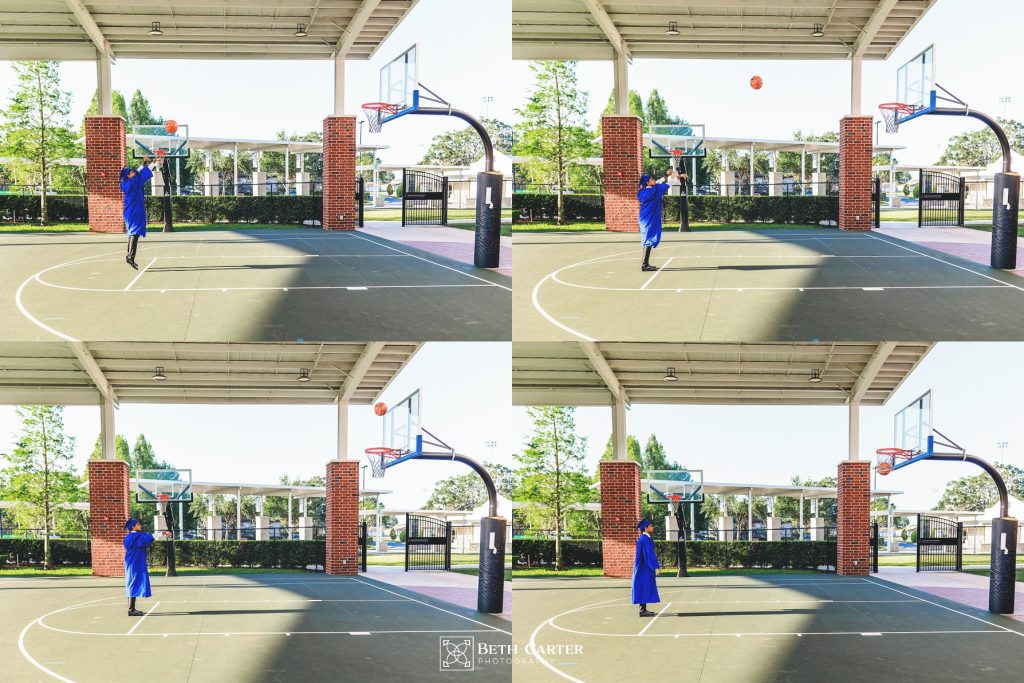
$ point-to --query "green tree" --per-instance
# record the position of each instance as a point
(39, 471)
(467, 491)
(978, 492)
(552, 130)
(552, 472)
(636, 107)
(118, 108)
(980, 147)
(141, 112)
(463, 147)
(633, 452)
(35, 128)
(657, 110)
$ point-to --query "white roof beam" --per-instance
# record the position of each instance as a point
(352, 31)
(871, 28)
(599, 14)
(90, 26)
(601, 366)
(871, 370)
(92, 368)
(359, 370)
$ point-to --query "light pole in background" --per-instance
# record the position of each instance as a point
(491, 445)
(487, 99)
(1002, 446)
(361, 132)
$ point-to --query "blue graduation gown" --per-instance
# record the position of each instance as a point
(136, 575)
(650, 213)
(135, 202)
(645, 586)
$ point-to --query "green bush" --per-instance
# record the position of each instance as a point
(29, 551)
(527, 208)
(262, 554)
(284, 209)
(917, 191)
(913, 536)
(24, 208)
(719, 554)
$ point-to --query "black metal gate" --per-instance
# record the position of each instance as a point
(939, 544)
(364, 541)
(875, 542)
(424, 198)
(940, 199)
(360, 198)
(428, 543)
(876, 202)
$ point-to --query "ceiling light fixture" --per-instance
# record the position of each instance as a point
(154, 29)
(670, 375)
(159, 375)
(673, 29)
(300, 31)
(303, 375)
(818, 31)
(815, 376)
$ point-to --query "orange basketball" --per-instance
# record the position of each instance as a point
(756, 82)
(380, 409)
(171, 126)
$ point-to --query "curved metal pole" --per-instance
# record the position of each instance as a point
(492, 492)
(988, 121)
(1004, 496)
(477, 126)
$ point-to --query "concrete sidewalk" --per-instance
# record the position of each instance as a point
(453, 243)
(453, 587)
(973, 245)
(968, 589)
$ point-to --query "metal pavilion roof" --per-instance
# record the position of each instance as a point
(712, 29)
(593, 374)
(197, 29)
(78, 373)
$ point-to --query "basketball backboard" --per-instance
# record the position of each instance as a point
(399, 78)
(402, 424)
(156, 141)
(152, 485)
(676, 141)
(675, 486)
(913, 425)
(915, 82)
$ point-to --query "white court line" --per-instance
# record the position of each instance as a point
(955, 265)
(651, 622)
(141, 272)
(427, 604)
(657, 273)
(139, 622)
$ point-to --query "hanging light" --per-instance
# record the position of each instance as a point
(303, 375)
(818, 31)
(815, 377)
(154, 29)
(673, 29)
(300, 31)
(159, 375)
(670, 375)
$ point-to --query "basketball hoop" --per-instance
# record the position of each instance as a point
(887, 458)
(163, 497)
(892, 111)
(376, 112)
(379, 457)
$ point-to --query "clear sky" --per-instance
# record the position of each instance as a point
(255, 99)
(972, 38)
(466, 399)
(976, 403)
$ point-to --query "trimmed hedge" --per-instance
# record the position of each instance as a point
(798, 210)
(29, 551)
(720, 554)
(24, 208)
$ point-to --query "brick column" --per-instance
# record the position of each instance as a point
(623, 153)
(104, 159)
(339, 173)
(343, 517)
(855, 149)
(620, 512)
(108, 511)
(854, 518)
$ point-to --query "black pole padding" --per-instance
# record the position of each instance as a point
(165, 170)
(491, 591)
(487, 247)
(1005, 204)
(681, 541)
(172, 569)
(1004, 565)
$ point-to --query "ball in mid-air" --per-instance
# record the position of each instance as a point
(380, 409)
(171, 126)
(756, 82)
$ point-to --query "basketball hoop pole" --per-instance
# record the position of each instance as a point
(165, 170)
(681, 534)
(172, 569)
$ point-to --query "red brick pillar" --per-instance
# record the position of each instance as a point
(855, 149)
(623, 153)
(854, 525)
(342, 517)
(104, 159)
(339, 173)
(108, 511)
(620, 512)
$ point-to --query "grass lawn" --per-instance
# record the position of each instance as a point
(910, 215)
(182, 227)
(398, 559)
(598, 226)
(669, 572)
(476, 572)
(32, 572)
(909, 559)
(395, 214)
(986, 572)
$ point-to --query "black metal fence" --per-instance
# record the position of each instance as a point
(761, 188)
(428, 543)
(245, 188)
(942, 199)
(424, 198)
(939, 544)
(758, 533)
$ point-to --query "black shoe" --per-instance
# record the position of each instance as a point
(130, 262)
(135, 613)
(647, 613)
(647, 268)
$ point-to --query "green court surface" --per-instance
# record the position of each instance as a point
(251, 628)
(260, 285)
(784, 627)
(757, 285)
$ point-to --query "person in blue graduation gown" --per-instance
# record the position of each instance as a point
(650, 197)
(645, 570)
(132, 182)
(136, 574)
